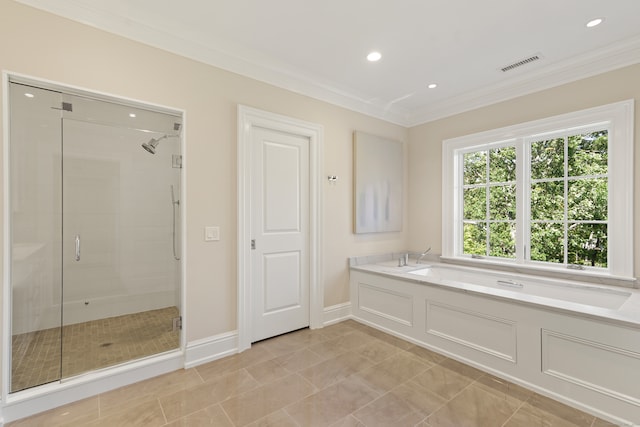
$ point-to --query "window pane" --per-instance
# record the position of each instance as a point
(547, 159)
(502, 239)
(475, 203)
(587, 244)
(502, 202)
(502, 164)
(547, 201)
(588, 200)
(475, 238)
(547, 242)
(588, 154)
(475, 168)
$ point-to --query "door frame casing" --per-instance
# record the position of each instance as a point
(249, 118)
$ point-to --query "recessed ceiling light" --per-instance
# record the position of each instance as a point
(594, 22)
(132, 115)
(374, 56)
(432, 86)
(29, 95)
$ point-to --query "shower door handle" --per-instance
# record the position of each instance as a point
(77, 247)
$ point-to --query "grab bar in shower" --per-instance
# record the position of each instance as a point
(77, 247)
(509, 283)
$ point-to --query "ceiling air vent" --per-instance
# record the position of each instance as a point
(521, 63)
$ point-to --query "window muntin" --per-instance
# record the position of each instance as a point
(568, 194)
(489, 202)
(555, 225)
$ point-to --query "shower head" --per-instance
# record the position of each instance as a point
(151, 145)
(153, 142)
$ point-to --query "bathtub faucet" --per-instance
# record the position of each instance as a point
(403, 260)
(420, 256)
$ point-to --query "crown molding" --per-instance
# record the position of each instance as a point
(280, 75)
(599, 61)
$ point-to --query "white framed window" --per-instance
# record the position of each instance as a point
(550, 194)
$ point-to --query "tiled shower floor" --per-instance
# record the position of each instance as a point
(90, 345)
(344, 375)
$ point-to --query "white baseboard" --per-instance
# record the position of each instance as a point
(210, 349)
(336, 313)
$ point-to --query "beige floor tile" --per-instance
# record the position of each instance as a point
(390, 339)
(602, 423)
(76, 413)
(419, 400)
(543, 408)
(426, 355)
(332, 404)
(295, 362)
(208, 417)
(462, 369)
(387, 410)
(443, 382)
(503, 389)
(474, 407)
(253, 356)
(147, 414)
(153, 388)
(353, 340)
(349, 421)
(193, 399)
(339, 329)
(392, 371)
(262, 401)
(276, 419)
(328, 349)
(333, 370)
(527, 416)
(268, 371)
(294, 341)
(376, 350)
(283, 344)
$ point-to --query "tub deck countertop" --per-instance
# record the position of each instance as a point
(626, 312)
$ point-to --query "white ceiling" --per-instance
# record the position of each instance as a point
(319, 48)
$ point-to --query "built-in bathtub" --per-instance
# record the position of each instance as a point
(545, 288)
(576, 342)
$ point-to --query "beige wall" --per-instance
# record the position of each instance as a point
(45, 46)
(425, 142)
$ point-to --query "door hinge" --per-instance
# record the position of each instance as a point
(253, 243)
(176, 161)
(66, 106)
(177, 323)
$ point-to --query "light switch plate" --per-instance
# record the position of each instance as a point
(211, 234)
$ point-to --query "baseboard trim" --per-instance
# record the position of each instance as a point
(336, 313)
(210, 349)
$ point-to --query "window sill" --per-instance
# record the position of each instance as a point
(589, 276)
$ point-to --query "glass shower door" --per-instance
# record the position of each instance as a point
(94, 234)
(35, 200)
(120, 278)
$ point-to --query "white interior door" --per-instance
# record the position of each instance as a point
(280, 232)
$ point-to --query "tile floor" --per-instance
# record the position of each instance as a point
(342, 375)
(38, 358)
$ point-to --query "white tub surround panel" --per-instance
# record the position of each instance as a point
(585, 354)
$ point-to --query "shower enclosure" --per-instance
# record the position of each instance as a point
(94, 219)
